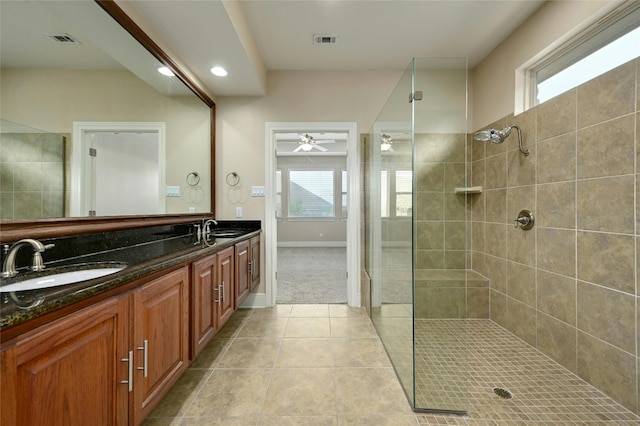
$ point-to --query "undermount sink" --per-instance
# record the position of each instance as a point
(227, 233)
(61, 278)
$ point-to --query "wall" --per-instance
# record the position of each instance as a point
(494, 79)
(53, 99)
(568, 286)
(292, 96)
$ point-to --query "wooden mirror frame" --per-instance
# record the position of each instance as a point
(47, 228)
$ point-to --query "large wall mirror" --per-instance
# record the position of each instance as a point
(74, 76)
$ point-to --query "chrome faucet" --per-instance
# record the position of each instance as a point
(206, 230)
(9, 265)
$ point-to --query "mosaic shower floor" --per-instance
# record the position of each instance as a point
(543, 391)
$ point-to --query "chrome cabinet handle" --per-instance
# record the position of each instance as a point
(251, 268)
(218, 299)
(145, 356)
(222, 291)
(129, 360)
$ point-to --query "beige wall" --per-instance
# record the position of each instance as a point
(52, 100)
(293, 96)
(493, 80)
(569, 285)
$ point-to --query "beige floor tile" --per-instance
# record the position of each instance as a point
(301, 392)
(352, 327)
(308, 327)
(181, 394)
(369, 392)
(212, 353)
(409, 420)
(310, 310)
(251, 353)
(219, 421)
(232, 393)
(344, 311)
(263, 328)
(296, 353)
(278, 311)
(298, 421)
(359, 352)
(161, 421)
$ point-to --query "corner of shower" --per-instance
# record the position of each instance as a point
(416, 232)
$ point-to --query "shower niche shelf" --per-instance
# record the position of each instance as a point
(468, 190)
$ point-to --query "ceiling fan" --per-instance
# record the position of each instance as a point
(308, 143)
(386, 143)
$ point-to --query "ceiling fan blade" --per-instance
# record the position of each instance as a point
(320, 148)
(325, 141)
(298, 148)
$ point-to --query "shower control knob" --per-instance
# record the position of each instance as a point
(525, 220)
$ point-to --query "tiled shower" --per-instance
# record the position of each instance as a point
(567, 287)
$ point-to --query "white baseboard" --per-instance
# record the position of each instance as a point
(312, 244)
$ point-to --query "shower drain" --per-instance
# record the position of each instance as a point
(503, 393)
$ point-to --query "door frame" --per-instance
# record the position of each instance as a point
(353, 203)
(78, 168)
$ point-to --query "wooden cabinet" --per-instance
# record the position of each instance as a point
(243, 271)
(213, 297)
(70, 372)
(254, 261)
(226, 286)
(110, 363)
(160, 339)
(203, 297)
(107, 364)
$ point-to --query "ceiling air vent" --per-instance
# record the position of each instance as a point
(325, 39)
(62, 38)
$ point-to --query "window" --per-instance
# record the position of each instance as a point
(396, 193)
(344, 182)
(311, 193)
(279, 193)
(596, 51)
(404, 185)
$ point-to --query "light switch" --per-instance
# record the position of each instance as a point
(173, 191)
(257, 191)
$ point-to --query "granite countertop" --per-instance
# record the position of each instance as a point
(141, 260)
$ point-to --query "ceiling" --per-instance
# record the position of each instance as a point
(251, 37)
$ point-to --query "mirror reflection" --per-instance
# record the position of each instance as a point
(72, 72)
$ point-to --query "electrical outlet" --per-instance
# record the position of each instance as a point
(238, 211)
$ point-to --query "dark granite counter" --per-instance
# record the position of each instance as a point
(144, 251)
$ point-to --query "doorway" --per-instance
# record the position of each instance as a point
(309, 198)
(117, 169)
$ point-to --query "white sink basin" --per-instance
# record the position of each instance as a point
(63, 278)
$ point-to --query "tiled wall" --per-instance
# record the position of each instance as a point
(32, 176)
(569, 285)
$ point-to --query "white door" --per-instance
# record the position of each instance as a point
(123, 176)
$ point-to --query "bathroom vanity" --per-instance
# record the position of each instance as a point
(106, 350)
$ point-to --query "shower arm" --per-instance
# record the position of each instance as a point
(522, 150)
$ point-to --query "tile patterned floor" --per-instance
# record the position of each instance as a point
(325, 365)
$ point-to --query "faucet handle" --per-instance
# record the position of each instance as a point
(37, 263)
(46, 247)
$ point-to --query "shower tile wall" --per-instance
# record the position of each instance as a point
(32, 176)
(569, 286)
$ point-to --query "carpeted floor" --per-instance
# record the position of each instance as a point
(312, 275)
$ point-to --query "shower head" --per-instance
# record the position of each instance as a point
(498, 136)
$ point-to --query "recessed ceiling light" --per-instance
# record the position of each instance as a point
(166, 71)
(219, 71)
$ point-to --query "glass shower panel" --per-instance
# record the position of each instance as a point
(440, 293)
(415, 242)
(389, 209)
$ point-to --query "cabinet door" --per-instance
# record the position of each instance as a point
(70, 371)
(226, 286)
(203, 315)
(160, 338)
(243, 279)
(254, 259)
